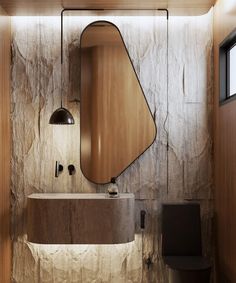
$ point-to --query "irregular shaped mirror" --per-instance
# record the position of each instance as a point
(116, 123)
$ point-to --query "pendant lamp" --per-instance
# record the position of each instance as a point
(61, 116)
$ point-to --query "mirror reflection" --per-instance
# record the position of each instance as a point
(116, 122)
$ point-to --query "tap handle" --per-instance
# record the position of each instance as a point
(71, 169)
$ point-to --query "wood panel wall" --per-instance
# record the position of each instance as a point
(5, 142)
(53, 7)
(225, 158)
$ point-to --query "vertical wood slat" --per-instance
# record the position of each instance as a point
(5, 142)
(225, 156)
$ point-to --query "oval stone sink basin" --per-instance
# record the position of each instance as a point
(80, 218)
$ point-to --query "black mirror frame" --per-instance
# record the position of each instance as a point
(153, 116)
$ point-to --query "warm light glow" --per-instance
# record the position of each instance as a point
(79, 249)
(88, 261)
(84, 19)
(230, 6)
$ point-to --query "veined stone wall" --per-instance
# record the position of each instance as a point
(185, 175)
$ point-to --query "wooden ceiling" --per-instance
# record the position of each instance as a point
(53, 7)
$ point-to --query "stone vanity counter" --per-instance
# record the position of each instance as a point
(80, 219)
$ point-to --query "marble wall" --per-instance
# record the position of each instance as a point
(184, 172)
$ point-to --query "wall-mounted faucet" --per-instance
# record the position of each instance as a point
(58, 169)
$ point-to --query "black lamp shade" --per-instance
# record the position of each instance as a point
(61, 116)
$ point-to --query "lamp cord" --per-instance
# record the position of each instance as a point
(167, 99)
(61, 55)
(167, 106)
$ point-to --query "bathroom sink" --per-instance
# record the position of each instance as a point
(80, 218)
